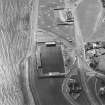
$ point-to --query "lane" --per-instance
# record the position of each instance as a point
(82, 70)
(49, 91)
(91, 86)
(34, 18)
(80, 51)
(32, 66)
(45, 91)
(81, 54)
(98, 84)
(82, 99)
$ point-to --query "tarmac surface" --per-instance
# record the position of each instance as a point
(46, 91)
(82, 99)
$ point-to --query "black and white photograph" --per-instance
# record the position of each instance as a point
(52, 52)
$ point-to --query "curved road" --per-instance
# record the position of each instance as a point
(45, 91)
(49, 91)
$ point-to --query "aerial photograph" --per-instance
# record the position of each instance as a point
(52, 52)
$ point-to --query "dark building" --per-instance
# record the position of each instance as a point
(74, 86)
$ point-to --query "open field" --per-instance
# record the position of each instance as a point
(91, 16)
(48, 19)
(15, 35)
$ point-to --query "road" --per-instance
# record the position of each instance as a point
(91, 85)
(98, 84)
(83, 76)
(45, 91)
(49, 91)
(82, 99)
(32, 77)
